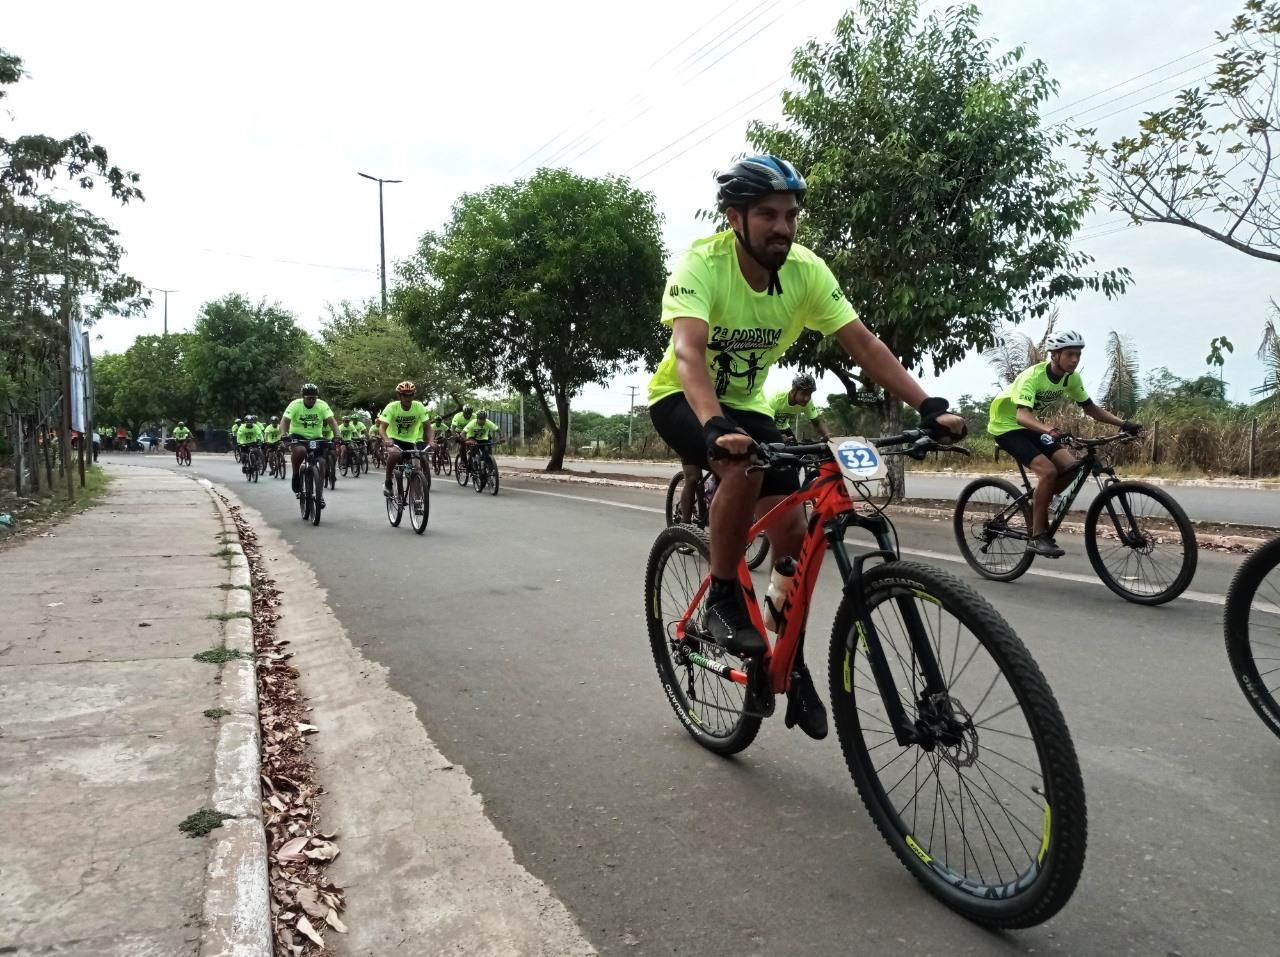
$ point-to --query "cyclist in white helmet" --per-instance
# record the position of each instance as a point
(1041, 447)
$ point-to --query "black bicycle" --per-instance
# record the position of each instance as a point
(1251, 623)
(1143, 547)
(312, 473)
(252, 462)
(484, 469)
(708, 482)
(412, 483)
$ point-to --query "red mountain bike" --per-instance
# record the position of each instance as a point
(950, 732)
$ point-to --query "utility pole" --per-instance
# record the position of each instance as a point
(382, 235)
(522, 423)
(166, 305)
(66, 386)
(631, 413)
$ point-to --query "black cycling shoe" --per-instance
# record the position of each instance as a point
(804, 707)
(730, 626)
(297, 485)
(386, 491)
(1044, 545)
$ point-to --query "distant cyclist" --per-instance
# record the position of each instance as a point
(271, 434)
(402, 425)
(306, 419)
(790, 402)
(1036, 445)
(248, 435)
(181, 436)
(481, 430)
(734, 303)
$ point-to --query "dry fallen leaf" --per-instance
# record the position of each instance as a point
(323, 851)
(305, 928)
(309, 901)
(332, 920)
(292, 850)
(307, 728)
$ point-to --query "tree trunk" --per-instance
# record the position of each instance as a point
(559, 432)
(554, 427)
(891, 420)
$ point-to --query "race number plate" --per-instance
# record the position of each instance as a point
(313, 445)
(858, 459)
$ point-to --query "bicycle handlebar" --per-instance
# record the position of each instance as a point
(1105, 440)
(775, 454)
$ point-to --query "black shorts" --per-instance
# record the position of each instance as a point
(1024, 445)
(404, 446)
(680, 428)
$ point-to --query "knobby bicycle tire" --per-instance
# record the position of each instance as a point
(395, 503)
(712, 709)
(317, 504)
(493, 479)
(1243, 633)
(1049, 797)
(418, 518)
(971, 532)
(306, 484)
(1134, 492)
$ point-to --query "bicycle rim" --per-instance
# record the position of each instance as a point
(985, 516)
(317, 504)
(493, 480)
(1147, 553)
(989, 813)
(460, 471)
(418, 503)
(308, 493)
(711, 708)
(1251, 623)
(757, 551)
(395, 504)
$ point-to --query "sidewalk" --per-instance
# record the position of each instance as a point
(104, 744)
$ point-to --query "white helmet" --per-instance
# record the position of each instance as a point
(1064, 339)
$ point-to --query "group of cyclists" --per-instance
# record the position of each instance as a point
(404, 424)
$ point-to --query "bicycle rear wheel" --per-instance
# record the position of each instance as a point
(447, 464)
(1251, 623)
(987, 808)
(992, 529)
(493, 478)
(757, 551)
(1144, 547)
(419, 503)
(712, 708)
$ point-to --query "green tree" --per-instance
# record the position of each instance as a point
(1269, 353)
(245, 357)
(541, 287)
(934, 192)
(1205, 163)
(363, 354)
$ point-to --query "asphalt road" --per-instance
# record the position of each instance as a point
(515, 626)
(1203, 503)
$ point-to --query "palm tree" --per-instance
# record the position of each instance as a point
(1120, 382)
(1269, 353)
(1015, 350)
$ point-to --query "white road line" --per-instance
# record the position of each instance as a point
(1200, 596)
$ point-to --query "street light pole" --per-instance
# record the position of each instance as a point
(382, 234)
(166, 305)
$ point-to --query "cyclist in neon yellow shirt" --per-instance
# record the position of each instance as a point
(272, 432)
(735, 302)
(306, 419)
(1013, 421)
(402, 425)
(797, 399)
(249, 434)
(181, 436)
(481, 430)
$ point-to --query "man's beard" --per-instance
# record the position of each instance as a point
(772, 258)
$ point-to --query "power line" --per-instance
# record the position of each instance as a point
(1154, 96)
(287, 262)
(1124, 96)
(751, 109)
(1138, 76)
(646, 72)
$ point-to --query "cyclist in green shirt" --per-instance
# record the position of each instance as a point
(272, 432)
(249, 433)
(799, 398)
(181, 436)
(235, 428)
(1040, 447)
(306, 419)
(735, 302)
(481, 431)
(402, 425)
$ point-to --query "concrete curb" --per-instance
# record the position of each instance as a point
(237, 902)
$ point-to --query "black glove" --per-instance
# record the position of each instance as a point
(1130, 428)
(713, 429)
(929, 410)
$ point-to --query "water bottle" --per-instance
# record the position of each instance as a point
(1056, 504)
(784, 571)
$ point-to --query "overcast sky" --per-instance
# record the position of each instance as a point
(249, 121)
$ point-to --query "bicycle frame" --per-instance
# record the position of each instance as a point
(833, 514)
(1089, 466)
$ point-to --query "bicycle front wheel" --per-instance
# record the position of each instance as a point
(493, 478)
(317, 483)
(307, 500)
(460, 470)
(992, 524)
(419, 502)
(1143, 547)
(1252, 626)
(395, 502)
(757, 551)
(986, 805)
(711, 706)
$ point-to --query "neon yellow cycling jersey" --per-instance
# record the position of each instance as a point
(309, 423)
(181, 432)
(1032, 389)
(348, 430)
(404, 424)
(459, 422)
(271, 433)
(248, 433)
(783, 410)
(481, 431)
(748, 331)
